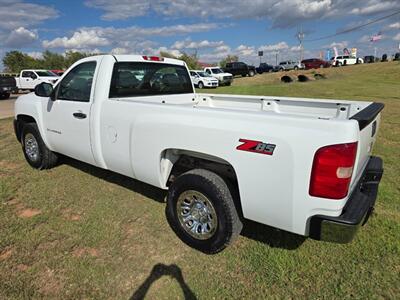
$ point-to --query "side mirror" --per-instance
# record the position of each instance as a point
(44, 90)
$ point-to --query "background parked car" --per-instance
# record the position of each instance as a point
(344, 60)
(290, 65)
(7, 86)
(315, 63)
(201, 79)
(397, 56)
(223, 77)
(264, 68)
(240, 68)
(57, 72)
(29, 79)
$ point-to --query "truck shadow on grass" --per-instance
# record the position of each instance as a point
(158, 271)
(259, 232)
(134, 185)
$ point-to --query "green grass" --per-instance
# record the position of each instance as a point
(100, 235)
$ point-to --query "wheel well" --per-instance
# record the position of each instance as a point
(183, 161)
(21, 121)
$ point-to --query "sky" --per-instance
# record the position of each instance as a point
(210, 28)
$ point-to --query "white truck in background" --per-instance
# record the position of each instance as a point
(297, 164)
(29, 79)
(223, 77)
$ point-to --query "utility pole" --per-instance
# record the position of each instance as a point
(300, 36)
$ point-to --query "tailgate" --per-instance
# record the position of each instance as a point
(368, 121)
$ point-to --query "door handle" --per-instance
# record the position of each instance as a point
(79, 115)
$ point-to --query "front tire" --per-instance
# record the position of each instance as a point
(251, 73)
(200, 85)
(201, 211)
(35, 151)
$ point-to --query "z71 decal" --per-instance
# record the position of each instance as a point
(256, 147)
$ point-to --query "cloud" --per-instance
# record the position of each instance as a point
(393, 26)
(188, 44)
(372, 7)
(20, 37)
(80, 39)
(35, 54)
(284, 13)
(244, 50)
(274, 47)
(339, 45)
(129, 37)
(122, 9)
(15, 14)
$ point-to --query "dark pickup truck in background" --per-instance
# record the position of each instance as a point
(8, 85)
(240, 68)
(264, 68)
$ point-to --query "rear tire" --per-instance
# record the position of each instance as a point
(35, 151)
(296, 68)
(4, 96)
(201, 211)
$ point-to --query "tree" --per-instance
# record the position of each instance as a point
(15, 61)
(53, 61)
(191, 61)
(228, 58)
(72, 57)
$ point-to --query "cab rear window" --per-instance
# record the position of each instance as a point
(131, 79)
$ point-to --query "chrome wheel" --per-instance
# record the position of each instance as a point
(31, 147)
(196, 215)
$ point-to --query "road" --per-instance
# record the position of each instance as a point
(7, 107)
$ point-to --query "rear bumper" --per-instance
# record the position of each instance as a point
(359, 207)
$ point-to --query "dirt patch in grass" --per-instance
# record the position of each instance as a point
(49, 283)
(12, 201)
(22, 267)
(29, 213)
(68, 215)
(6, 254)
(86, 251)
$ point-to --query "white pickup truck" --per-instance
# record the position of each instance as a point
(29, 79)
(301, 165)
(223, 77)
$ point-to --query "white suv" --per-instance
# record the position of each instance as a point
(343, 60)
(201, 79)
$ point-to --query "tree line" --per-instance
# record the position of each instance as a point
(15, 61)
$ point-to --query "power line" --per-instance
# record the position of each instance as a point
(354, 28)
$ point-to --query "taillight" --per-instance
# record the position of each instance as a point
(153, 58)
(332, 170)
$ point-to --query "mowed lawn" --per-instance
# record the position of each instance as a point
(77, 231)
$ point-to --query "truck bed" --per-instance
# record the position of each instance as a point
(302, 107)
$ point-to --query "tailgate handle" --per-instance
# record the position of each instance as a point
(79, 115)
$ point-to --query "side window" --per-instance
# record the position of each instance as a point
(208, 71)
(77, 84)
(229, 65)
(26, 74)
(154, 79)
(192, 73)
